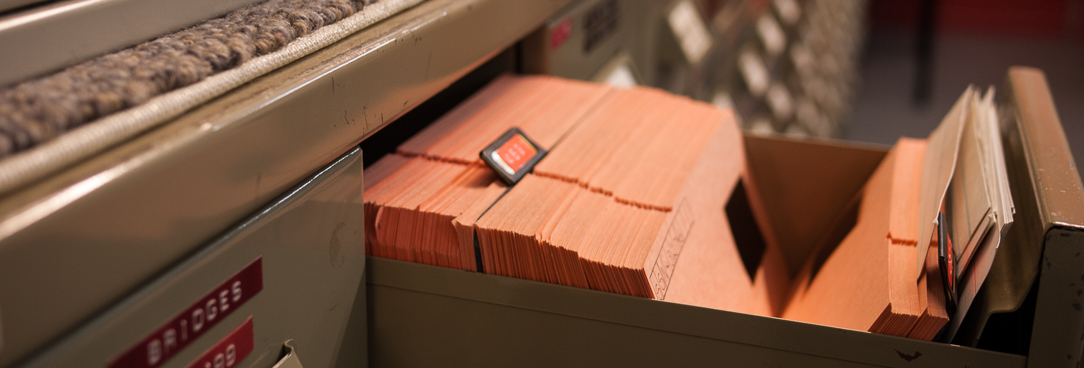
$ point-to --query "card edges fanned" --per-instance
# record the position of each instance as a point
(622, 205)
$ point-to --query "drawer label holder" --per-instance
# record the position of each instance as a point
(230, 351)
(187, 326)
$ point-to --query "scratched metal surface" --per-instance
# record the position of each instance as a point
(1054, 227)
(1049, 203)
(1057, 339)
(73, 245)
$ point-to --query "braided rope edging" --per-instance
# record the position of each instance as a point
(65, 150)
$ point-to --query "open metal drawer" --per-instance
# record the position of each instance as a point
(463, 318)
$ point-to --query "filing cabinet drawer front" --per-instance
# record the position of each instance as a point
(473, 319)
(289, 272)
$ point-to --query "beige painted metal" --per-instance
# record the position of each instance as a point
(469, 319)
(90, 139)
(104, 227)
(311, 242)
(644, 35)
(1051, 162)
(1049, 200)
(638, 35)
(570, 58)
(1057, 338)
(1057, 207)
(52, 36)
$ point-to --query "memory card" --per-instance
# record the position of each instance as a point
(512, 156)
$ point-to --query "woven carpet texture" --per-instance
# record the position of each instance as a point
(35, 111)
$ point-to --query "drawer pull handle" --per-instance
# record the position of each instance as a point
(290, 360)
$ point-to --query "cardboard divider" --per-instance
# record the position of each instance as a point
(805, 185)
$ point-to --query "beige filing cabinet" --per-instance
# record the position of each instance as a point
(102, 256)
(131, 249)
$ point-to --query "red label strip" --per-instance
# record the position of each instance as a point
(516, 152)
(561, 33)
(230, 351)
(194, 321)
